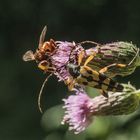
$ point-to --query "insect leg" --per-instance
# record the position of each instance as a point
(43, 65)
(71, 85)
(103, 70)
(52, 43)
(104, 93)
(80, 57)
(70, 82)
(90, 58)
(67, 82)
(90, 70)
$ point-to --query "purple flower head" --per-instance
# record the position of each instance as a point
(66, 52)
(78, 111)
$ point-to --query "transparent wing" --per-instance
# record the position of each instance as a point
(42, 36)
(28, 56)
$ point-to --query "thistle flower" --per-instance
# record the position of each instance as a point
(80, 109)
(65, 52)
(116, 52)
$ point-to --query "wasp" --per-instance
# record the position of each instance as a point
(42, 57)
(86, 76)
(42, 54)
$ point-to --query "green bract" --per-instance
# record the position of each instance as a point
(116, 52)
(118, 103)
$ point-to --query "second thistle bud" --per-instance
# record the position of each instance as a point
(123, 53)
(80, 109)
(119, 103)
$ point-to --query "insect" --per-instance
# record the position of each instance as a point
(88, 73)
(84, 75)
(41, 56)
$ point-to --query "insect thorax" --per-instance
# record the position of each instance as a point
(74, 70)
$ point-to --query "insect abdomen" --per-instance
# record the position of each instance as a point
(97, 80)
(114, 86)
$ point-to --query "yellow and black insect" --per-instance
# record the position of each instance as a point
(88, 72)
(86, 76)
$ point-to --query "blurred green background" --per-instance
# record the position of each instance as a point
(21, 22)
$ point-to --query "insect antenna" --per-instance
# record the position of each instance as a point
(134, 57)
(40, 92)
(88, 42)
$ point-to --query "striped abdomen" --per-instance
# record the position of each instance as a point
(89, 77)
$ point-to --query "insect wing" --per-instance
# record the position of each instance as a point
(42, 37)
(28, 56)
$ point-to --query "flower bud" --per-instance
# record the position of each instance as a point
(119, 103)
(80, 108)
(115, 53)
